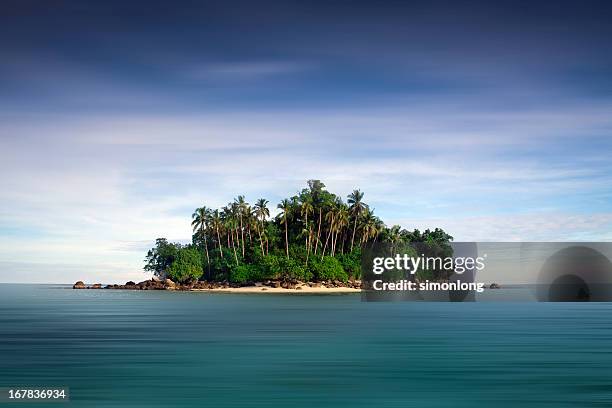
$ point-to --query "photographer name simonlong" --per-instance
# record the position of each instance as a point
(406, 285)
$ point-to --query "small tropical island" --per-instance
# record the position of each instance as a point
(313, 244)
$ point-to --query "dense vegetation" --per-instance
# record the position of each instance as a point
(315, 236)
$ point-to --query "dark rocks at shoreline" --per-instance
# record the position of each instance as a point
(79, 285)
(494, 286)
(288, 285)
(168, 284)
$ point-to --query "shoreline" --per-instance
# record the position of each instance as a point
(269, 290)
(272, 286)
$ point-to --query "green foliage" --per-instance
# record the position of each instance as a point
(242, 243)
(160, 257)
(221, 264)
(187, 265)
(436, 236)
(291, 269)
(246, 273)
(272, 265)
(278, 267)
(328, 268)
(433, 248)
(351, 263)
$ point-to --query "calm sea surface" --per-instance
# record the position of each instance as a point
(163, 349)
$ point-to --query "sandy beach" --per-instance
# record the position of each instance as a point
(265, 289)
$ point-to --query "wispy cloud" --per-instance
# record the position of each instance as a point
(246, 70)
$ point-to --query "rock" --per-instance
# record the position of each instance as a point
(155, 284)
(316, 284)
(130, 283)
(96, 286)
(169, 284)
(264, 288)
(199, 285)
(494, 286)
(79, 285)
(298, 288)
(276, 284)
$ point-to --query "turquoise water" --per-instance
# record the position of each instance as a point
(164, 349)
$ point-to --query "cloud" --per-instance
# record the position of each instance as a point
(525, 227)
(95, 190)
(247, 70)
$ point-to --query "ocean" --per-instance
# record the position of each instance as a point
(180, 349)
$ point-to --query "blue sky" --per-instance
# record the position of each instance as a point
(493, 121)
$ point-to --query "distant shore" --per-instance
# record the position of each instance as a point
(269, 286)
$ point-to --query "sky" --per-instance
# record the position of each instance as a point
(492, 120)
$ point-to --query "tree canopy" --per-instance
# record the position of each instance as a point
(315, 235)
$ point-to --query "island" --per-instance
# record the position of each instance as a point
(312, 244)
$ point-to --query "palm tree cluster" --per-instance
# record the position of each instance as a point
(320, 220)
(314, 222)
(314, 234)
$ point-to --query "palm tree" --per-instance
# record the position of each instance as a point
(230, 225)
(285, 207)
(306, 209)
(248, 213)
(330, 217)
(357, 206)
(369, 225)
(316, 192)
(394, 236)
(261, 211)
(342, 221)
(200, 220)
(216, 223)
(241, 209)
(380, 227)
